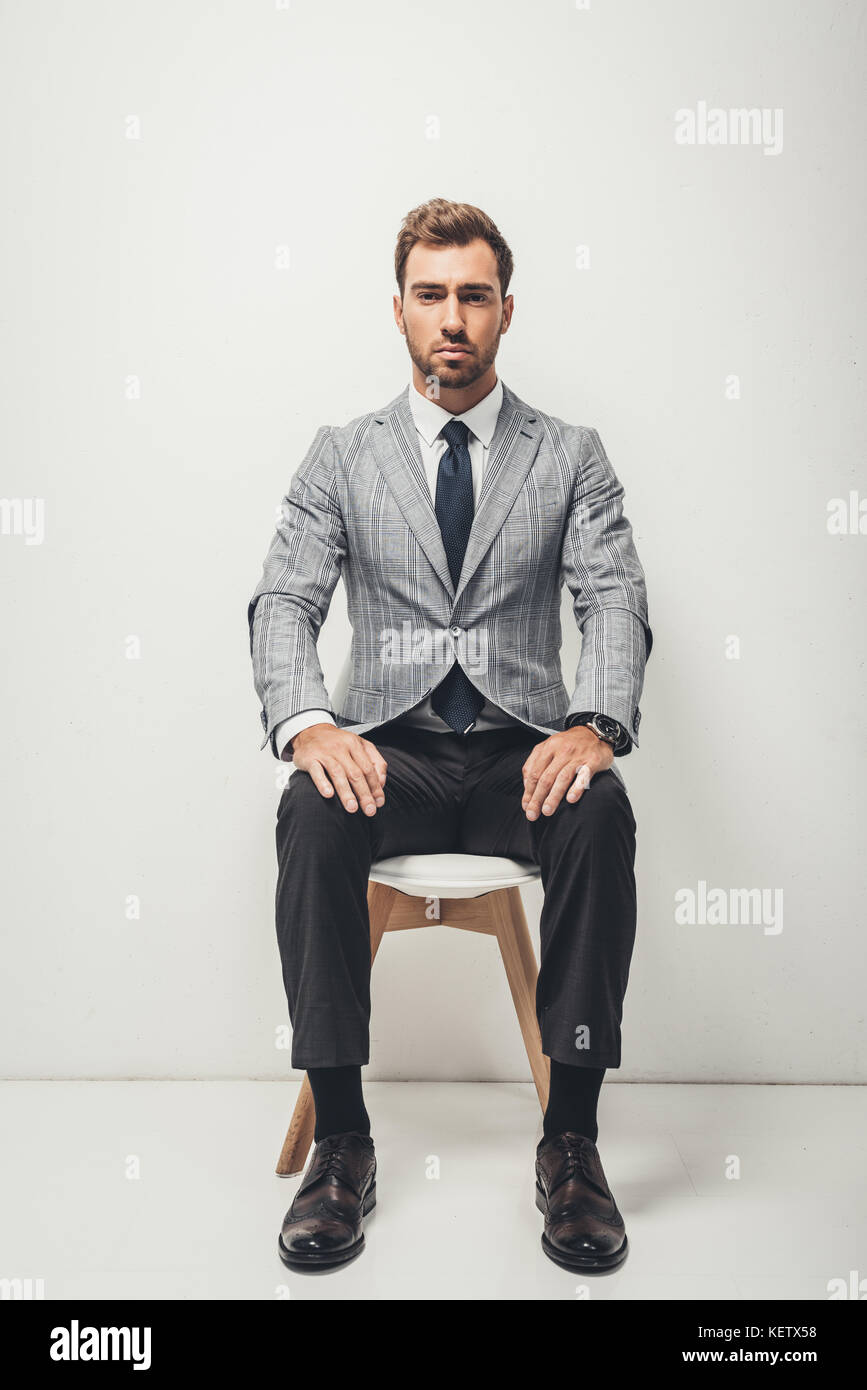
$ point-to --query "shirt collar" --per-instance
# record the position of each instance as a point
(481, 418)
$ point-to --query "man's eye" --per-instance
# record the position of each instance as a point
(426, 295)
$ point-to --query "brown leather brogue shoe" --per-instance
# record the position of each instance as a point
(583, 1228)
(323, 1226)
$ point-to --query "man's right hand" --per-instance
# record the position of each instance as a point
(341, 761)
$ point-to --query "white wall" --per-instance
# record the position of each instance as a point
(154, 258)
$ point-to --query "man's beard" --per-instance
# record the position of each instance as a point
(453, 375)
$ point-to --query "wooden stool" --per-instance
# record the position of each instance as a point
(476, 892)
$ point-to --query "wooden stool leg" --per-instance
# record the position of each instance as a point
(516, 949)
(299, 1136)
(381, 898)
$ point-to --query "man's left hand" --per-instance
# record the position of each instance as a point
(553, 768)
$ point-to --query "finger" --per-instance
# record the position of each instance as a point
(377, 759)
(320, 781)
(364, 784)
(338, 776)
(370, 785)
(532, 771)
(562, 783)
(543, 787)
(582, 781)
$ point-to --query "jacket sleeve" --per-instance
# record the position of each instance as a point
(606, 580)
(291, 600)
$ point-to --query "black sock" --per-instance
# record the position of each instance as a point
(338, 1100)
(572, 1100)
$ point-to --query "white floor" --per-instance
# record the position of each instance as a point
(455, 1215)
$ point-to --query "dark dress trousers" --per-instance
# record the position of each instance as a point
(458, 793)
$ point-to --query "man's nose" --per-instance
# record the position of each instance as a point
(452, 319)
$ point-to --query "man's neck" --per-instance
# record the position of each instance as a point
(459, 400)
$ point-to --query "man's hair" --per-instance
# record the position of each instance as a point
(442, 223)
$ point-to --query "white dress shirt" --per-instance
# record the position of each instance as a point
(429, 419)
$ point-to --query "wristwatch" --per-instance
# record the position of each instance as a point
(607, 729)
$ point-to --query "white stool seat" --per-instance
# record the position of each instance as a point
(452, 875)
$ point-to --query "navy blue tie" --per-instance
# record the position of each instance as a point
(456, 699)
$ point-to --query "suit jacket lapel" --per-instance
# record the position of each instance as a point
(514, 446)
(394, 439)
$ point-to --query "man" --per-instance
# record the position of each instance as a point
(454, 515)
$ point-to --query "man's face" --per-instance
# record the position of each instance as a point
(452, 299)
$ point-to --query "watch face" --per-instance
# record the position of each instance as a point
(606, 726)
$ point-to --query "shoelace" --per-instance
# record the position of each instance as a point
(331, 1154)
(330, 1162)
(572, 1165)
(570, 1154)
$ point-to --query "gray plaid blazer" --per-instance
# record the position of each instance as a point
(549, 511)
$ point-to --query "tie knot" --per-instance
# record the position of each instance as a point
(455, 432)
